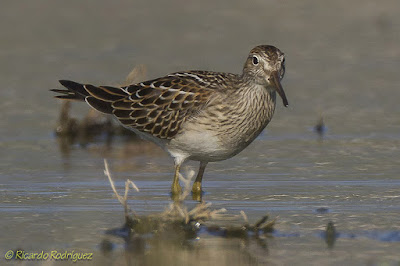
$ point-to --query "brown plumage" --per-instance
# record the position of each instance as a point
(199, 115)
(157, 107)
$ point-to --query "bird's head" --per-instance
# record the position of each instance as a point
(265, 66)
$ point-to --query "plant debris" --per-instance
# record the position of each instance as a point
(177, 221)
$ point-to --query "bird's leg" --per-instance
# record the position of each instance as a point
(176, 188)
(196, 189)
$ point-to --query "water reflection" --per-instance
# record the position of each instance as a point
(172, 238)
(320, 128)
(330, 234)
(181, 230)
(93, 127)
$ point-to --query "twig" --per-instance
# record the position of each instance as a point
(123, 200)
(186, 184)
(246, 220)
(261, 221)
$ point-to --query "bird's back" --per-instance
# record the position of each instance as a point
(155, 107)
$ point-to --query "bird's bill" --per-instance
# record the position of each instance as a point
(277, 83)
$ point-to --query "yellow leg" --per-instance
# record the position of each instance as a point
(196, 189)
(176, 188)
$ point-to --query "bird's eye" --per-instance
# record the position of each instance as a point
(255, 60)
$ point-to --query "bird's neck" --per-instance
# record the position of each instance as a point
(258, 99)
(253, 106)
(257, 93)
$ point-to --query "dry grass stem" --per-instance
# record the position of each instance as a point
(123, 200)
(246, 220)
(186, 184)
(137, 74)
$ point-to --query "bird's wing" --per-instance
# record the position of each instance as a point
(158, 107)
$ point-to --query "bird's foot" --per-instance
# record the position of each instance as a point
(197, 192)
(196, 188)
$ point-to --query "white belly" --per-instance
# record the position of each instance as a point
(199, 146)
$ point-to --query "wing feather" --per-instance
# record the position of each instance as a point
(159, 106)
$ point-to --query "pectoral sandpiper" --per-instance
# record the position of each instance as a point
(195, 115)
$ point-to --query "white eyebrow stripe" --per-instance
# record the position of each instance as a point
(142, 84)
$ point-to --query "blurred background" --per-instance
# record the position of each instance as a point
(342, 64)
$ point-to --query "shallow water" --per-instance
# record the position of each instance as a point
(342, 64)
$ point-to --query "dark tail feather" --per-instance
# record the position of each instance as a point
(100, 98)
(99, 105)
(74, 91)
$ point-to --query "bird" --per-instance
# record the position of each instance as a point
(196, 115)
